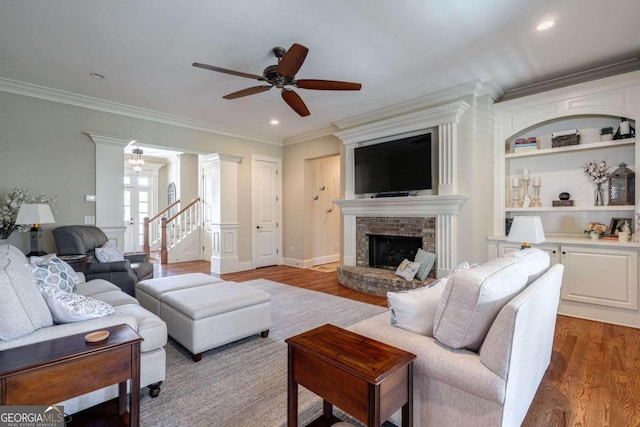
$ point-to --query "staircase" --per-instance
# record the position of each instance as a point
(175, 236)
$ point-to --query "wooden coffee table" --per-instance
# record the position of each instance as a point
(367, 379)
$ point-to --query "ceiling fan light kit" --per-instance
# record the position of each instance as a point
(282, 75)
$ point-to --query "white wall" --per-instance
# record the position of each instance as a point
(324, 226)
(297, 233)
(44, 147)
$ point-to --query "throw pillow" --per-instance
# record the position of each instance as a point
(473, 298)
(53, 271)
(109, 253)
(414, 310)
(68, 307)
(536, 261)
(426, 260)
(407, 269)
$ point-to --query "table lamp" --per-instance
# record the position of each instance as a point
(35, 214)
(527, 230)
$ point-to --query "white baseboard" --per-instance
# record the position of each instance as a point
(300, 263)
(326, 259)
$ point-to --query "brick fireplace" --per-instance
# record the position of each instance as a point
(423, 229)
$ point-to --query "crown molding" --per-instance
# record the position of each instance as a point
(63, 97)
(418, 120)
(421, 103)
(100, 139)
(309, 136)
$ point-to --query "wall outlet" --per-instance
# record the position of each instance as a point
(90, 198)
(89, 220)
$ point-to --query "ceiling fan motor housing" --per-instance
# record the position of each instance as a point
(271, 75)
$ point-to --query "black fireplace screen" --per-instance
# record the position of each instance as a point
(389, 251)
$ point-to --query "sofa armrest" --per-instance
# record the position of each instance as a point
(59, 331)
(137, 257)
(461, 368)
(107, 267)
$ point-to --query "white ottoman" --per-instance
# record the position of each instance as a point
(204, 317)
(150, 291)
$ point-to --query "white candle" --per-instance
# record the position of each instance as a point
(525, 175)
(537, 181)
(515, 181)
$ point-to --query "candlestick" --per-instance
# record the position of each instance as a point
(526, 173)
(537, 181)
(535, 203)
(515, 181)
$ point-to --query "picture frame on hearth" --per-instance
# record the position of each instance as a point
(617, 224)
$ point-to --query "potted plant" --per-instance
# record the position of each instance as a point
(606, 133)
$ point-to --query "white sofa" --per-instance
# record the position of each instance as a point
(25, 318)
(504, 347)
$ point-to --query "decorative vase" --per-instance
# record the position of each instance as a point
(594, 236)
(598, 199)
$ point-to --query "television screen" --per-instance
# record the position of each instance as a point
(396, 166)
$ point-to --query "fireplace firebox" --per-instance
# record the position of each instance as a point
(389, 251)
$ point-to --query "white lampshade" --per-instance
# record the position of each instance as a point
(526, 229)
(34, 214)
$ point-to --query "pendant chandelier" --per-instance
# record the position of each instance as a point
(136, 161)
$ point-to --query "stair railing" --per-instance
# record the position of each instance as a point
(177, 227)
(152, 227)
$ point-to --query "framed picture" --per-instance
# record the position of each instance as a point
(617, 224)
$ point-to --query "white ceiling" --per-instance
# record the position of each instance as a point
(399, 50)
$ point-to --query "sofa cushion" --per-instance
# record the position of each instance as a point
(67, 307)
(472, 299)
(426, 260)
(53, 271)
(22, 307)
(109, 253)
(149, 326)
(115, 298)
(536, 261)
(415, 310)
(95, 286)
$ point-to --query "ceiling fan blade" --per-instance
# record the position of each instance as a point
(292, 60)
(326, 85)
(248, 91)
(295, 102)
(224, 70)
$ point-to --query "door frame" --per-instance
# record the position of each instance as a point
(254, 202)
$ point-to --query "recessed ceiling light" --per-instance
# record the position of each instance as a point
(545, 25)
(97, 76)
(274, 121)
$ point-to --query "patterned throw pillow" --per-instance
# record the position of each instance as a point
(109, 253)
(407, 269)
(53, 271)
(67, 307)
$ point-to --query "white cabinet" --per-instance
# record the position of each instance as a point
(601, 277)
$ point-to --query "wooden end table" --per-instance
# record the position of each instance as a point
(367, 379)
(52, 371)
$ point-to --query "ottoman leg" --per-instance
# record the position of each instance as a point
(196, 357)
(154, 389)
(264, 334)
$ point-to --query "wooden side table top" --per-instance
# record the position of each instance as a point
(60, 349)
(365, 358)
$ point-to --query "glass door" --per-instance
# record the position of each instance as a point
(137, 206)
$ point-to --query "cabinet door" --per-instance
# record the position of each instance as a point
(607, 277)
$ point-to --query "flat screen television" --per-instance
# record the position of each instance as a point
(396, 166)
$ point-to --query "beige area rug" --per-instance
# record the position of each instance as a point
(244, 384)
(326, 268)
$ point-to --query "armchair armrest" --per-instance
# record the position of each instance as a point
(137, 257)
(107, 267)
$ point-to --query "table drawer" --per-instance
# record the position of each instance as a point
(71, 378)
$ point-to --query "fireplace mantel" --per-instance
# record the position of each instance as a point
(403, 206)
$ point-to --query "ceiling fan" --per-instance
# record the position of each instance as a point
(282, 75)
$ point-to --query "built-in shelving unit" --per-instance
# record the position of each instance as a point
(601, 277)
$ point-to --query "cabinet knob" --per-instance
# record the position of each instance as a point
(553, 252)
(564, 253)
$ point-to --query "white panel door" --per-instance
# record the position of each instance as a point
(266, 213)
(207, 197)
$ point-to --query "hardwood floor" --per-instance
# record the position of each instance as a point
(593, 378)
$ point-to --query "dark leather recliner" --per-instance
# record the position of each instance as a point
(84, 239)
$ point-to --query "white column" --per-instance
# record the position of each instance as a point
(110, 186)
(349, 240)
(224, 201)
(447, 161)
(446, 243)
